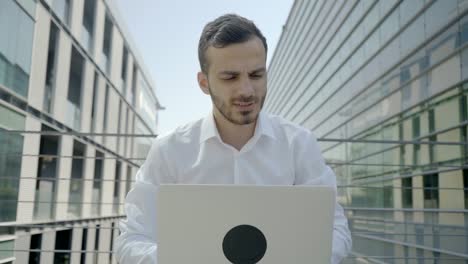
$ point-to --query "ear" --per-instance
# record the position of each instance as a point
(203, 82)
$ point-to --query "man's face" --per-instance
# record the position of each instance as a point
(236, 80)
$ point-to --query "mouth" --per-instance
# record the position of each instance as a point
(244, 106)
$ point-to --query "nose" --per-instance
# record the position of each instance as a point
(246, 87)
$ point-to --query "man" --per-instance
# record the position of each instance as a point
(235, 144)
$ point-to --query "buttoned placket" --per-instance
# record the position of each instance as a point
(236, 155)
(236, 163)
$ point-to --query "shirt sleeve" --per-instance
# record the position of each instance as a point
(310, 169)
(137, 243)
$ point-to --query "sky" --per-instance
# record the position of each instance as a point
(166, 34)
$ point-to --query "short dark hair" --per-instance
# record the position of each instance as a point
(225, 30)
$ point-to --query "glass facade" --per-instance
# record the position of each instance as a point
(62, 9)
(10, 163)
(392, 75)
(52, 173)
(17, 30)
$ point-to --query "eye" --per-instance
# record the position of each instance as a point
(256, 76)
(228, 78)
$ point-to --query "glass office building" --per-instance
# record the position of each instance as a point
(70, 81)
(384, 86)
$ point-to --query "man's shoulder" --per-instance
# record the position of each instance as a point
(182, 135)
(286, 128)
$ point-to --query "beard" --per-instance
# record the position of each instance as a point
(228, 111)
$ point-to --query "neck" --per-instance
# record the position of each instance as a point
(233, 134)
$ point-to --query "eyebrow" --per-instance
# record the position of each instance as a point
(259, 70)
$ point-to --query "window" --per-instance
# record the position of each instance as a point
(76, 77)
(106, 105)
(76, 182)
(94, 101)
(7, 249)
(84, 241)
(134, 83)
(97, 183)
(465, 186)
(62, 9)
(74, 89)
(111, 247)
(464, 129)
(464, 138)
(416, 134)
(371, 19)
(147, 105)
(16, 29)
(407, 192)
(431, 120)
(433, 138)
(10, 167)
(96, 243)
(29, 6)
(129, 179)
(119, 122)
(412, 36)
(126, 131)
(387, 195)
(116, 206)
(389, 27)
(51, 69)
(389, 55)
(88, 24)
(142, 144)
(124, 70)
(46, 176)
(36, 241)
(107, 45)
(443, 45)
(132, 139)
(405, 94)
(408, 9)
(463, 107)
(438, 14)
(63, 241)
(463, 30)
(402, 146)
(431, 192)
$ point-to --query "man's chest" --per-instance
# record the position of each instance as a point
(262, 167)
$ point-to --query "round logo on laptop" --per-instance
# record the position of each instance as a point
(244, 244)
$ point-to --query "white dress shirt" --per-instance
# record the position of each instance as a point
(279, 153)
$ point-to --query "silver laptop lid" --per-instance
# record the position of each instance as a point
(244, 224)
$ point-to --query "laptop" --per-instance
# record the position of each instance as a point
(244, 224)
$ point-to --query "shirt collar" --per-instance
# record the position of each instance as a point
(209, 129)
